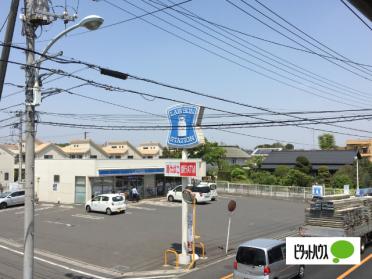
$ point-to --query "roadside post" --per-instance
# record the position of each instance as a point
(185, 133)
(231, 206)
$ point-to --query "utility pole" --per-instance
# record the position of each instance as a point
(20, 161)
(29, 32)
(7, 41)
(85, 135)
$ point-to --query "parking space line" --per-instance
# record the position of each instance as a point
(55, 264)
(58, 223)
(141, 207)
(91, 217)
(347, 272)
(37, 209)
(11, 209)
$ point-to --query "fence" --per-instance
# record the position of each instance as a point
(274, 191)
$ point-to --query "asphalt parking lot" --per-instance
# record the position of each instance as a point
(131, 245)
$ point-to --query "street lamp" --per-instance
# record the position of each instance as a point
(91, 22)
(357, 173)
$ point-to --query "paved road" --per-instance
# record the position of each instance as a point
(132, 244)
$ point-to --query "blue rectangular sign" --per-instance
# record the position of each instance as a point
(112, 172)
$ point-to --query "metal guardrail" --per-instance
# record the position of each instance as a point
(275, 191)
(172, 251)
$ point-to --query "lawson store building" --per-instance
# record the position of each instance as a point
(76, 181)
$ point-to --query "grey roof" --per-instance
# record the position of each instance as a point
(264, 243)
(234, 151)
(331, 158)
(265, 151)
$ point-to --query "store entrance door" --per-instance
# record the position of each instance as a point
(80, 190)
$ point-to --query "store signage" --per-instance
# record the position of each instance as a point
(185, 121)
(188, 169)
(182, 169)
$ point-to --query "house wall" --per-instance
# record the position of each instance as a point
(133, 153)
(67, 171)
(236, 161)
(50, 151)
(6, 166)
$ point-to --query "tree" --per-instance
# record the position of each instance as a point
(268, 145)
(263, 177)
(238, 174)
(289, 146)
(296, 178)
(171, 153)
(339, 180)
(303, 164)
(210, 152)
(324, 176)
(254, 162)
(281, 171)
(327, 141)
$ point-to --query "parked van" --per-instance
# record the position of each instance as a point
(264, 259)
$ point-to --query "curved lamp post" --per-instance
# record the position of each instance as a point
(91, 22)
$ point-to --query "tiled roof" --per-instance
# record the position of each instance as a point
(235, 151)
(329, 158)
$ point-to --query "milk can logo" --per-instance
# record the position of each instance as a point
(323, 250)
(184, 121)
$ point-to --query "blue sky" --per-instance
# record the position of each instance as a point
(143, 50)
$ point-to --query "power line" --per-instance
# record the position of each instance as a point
(347, 6)
(231, 60)
(12, 106)
(263, 55)
(189, 14)
(270, 123)
(307, 35)
(122, 90)
(291, 39)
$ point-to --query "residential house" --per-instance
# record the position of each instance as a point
(235, 155)
(363, 146)
(84, 149)
(333, 159)
(121, 150)
(151, 150)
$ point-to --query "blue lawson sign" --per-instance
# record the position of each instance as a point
(184, 120)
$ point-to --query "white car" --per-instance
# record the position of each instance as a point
(12, 198)
(108, 203)
(202, 194)
(212, 187)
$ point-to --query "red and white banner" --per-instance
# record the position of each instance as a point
(184, 169)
